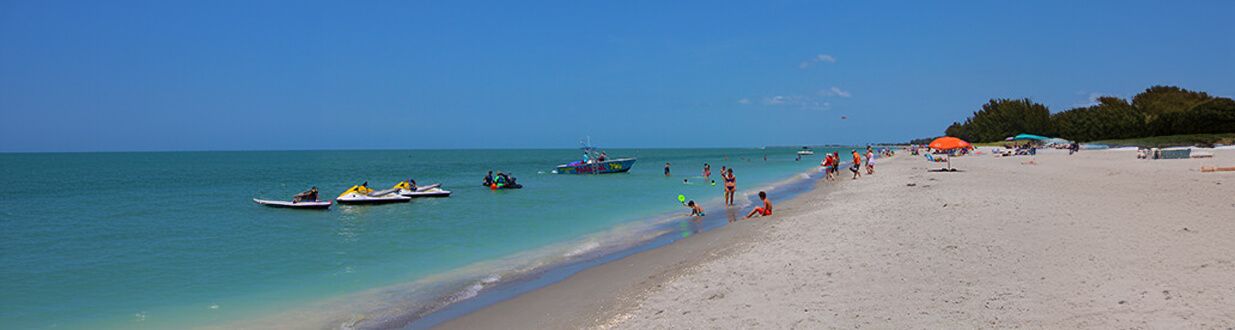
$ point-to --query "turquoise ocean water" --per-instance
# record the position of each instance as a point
(159, 240)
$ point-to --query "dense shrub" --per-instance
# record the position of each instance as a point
(1159, 110)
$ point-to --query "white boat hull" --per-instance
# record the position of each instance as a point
(433, 190)
(354, 198)
(295, 205)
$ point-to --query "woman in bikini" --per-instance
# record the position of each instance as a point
(731, 185)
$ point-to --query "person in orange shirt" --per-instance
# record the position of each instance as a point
(766, 210)
(857, 165)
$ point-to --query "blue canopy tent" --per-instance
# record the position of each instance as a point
(1029, 137)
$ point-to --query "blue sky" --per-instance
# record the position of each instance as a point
(239, 75)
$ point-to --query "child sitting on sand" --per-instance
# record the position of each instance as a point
(695, 209)
(766, 210)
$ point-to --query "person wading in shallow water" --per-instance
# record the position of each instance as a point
(666, 168)
(731, 185)
(695, 209)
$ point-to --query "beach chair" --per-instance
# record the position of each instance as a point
(940, 159)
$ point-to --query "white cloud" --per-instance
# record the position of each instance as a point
(839, 92)
(834, 91)
(806, 102)
(821, 58)
(1090, 100)
(743, 101)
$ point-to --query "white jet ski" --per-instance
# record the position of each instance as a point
(317, 205)
(433, 190)
(365, 195)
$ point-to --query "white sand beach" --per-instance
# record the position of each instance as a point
(1094, 240)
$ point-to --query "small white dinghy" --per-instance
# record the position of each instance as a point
(433, 190)
(317, 205)
(364, 195)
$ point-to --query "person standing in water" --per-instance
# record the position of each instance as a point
(731, 185)
(666, 168)
(707, 171)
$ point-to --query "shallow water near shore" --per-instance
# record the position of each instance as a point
(156, 240)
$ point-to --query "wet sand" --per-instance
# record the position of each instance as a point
(1098, 239)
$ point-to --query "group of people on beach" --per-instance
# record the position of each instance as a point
(862, 162)
(730, 186)
(831, 163)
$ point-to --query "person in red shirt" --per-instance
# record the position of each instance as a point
(827, 167)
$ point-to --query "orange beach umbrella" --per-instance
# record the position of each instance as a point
(949, 143)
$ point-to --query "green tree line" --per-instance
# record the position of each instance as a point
(1159, 110)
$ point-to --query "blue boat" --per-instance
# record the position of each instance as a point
(594, 162)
